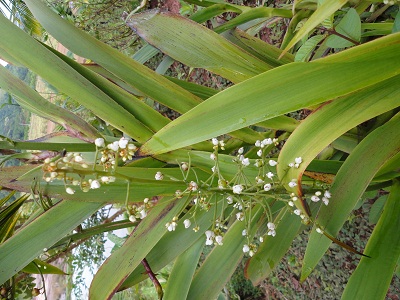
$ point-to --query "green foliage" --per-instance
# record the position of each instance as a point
(259, 179)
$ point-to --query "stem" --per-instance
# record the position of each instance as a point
(42, 277)
(153, 278)
(333, 31)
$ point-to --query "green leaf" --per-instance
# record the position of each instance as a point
(252, 14)
(139, 110)
(125, 259)
(195, 45)
(308, 47)
(223, 260)
(66, 79)
(32, 101)
(41, 267)
(173, 244)
(258, 48)
(349, 26)
(318, 130)
(28, 242)
(396, 23)
(273, 249)
(212, 11)
(181, 274)
(371, 279)
(130, 71)
(323, 12)
(376, 209)
(280, 123)
(349, 185)
(142, 184)
(279, 91)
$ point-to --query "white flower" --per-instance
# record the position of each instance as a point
(184, 166)
(294, 198)
(95, 184)
(240, 216)
(259, 180)
(171, 226)
(291, 203)
(271, 232)
(222, 145)
(187, 223)
(159, 176)
(297, 212)
(99, 142)
(238, 206)
(327, 194)
(318, 193)
(246, 248)
(132, 147)
(218, 240)
(270, 175)
(267, 142)
(319, 230)
(213, 156)
(146, 200)
(213, 169)
(257, 143)
(293, 183)
(272, 163)
(325, 200)
(229, 199)
(210, 235)
(245, 162)
(298, 160)
(113, 146)
(267, 187)
(214, 141)
(244, 232)
(78, 158)
(259, 153)
(240, 151)
(70, 191)
(143, 214)
(259, 163)
(315, 198)
(261, 239)
(132, 218)
(237, 189)
(105, 179)
(193, 186)
(123, 142)
(271, 226)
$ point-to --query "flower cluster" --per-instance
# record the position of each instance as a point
(139, 212)
(325, 198)
(117, 149)
(73, 163)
